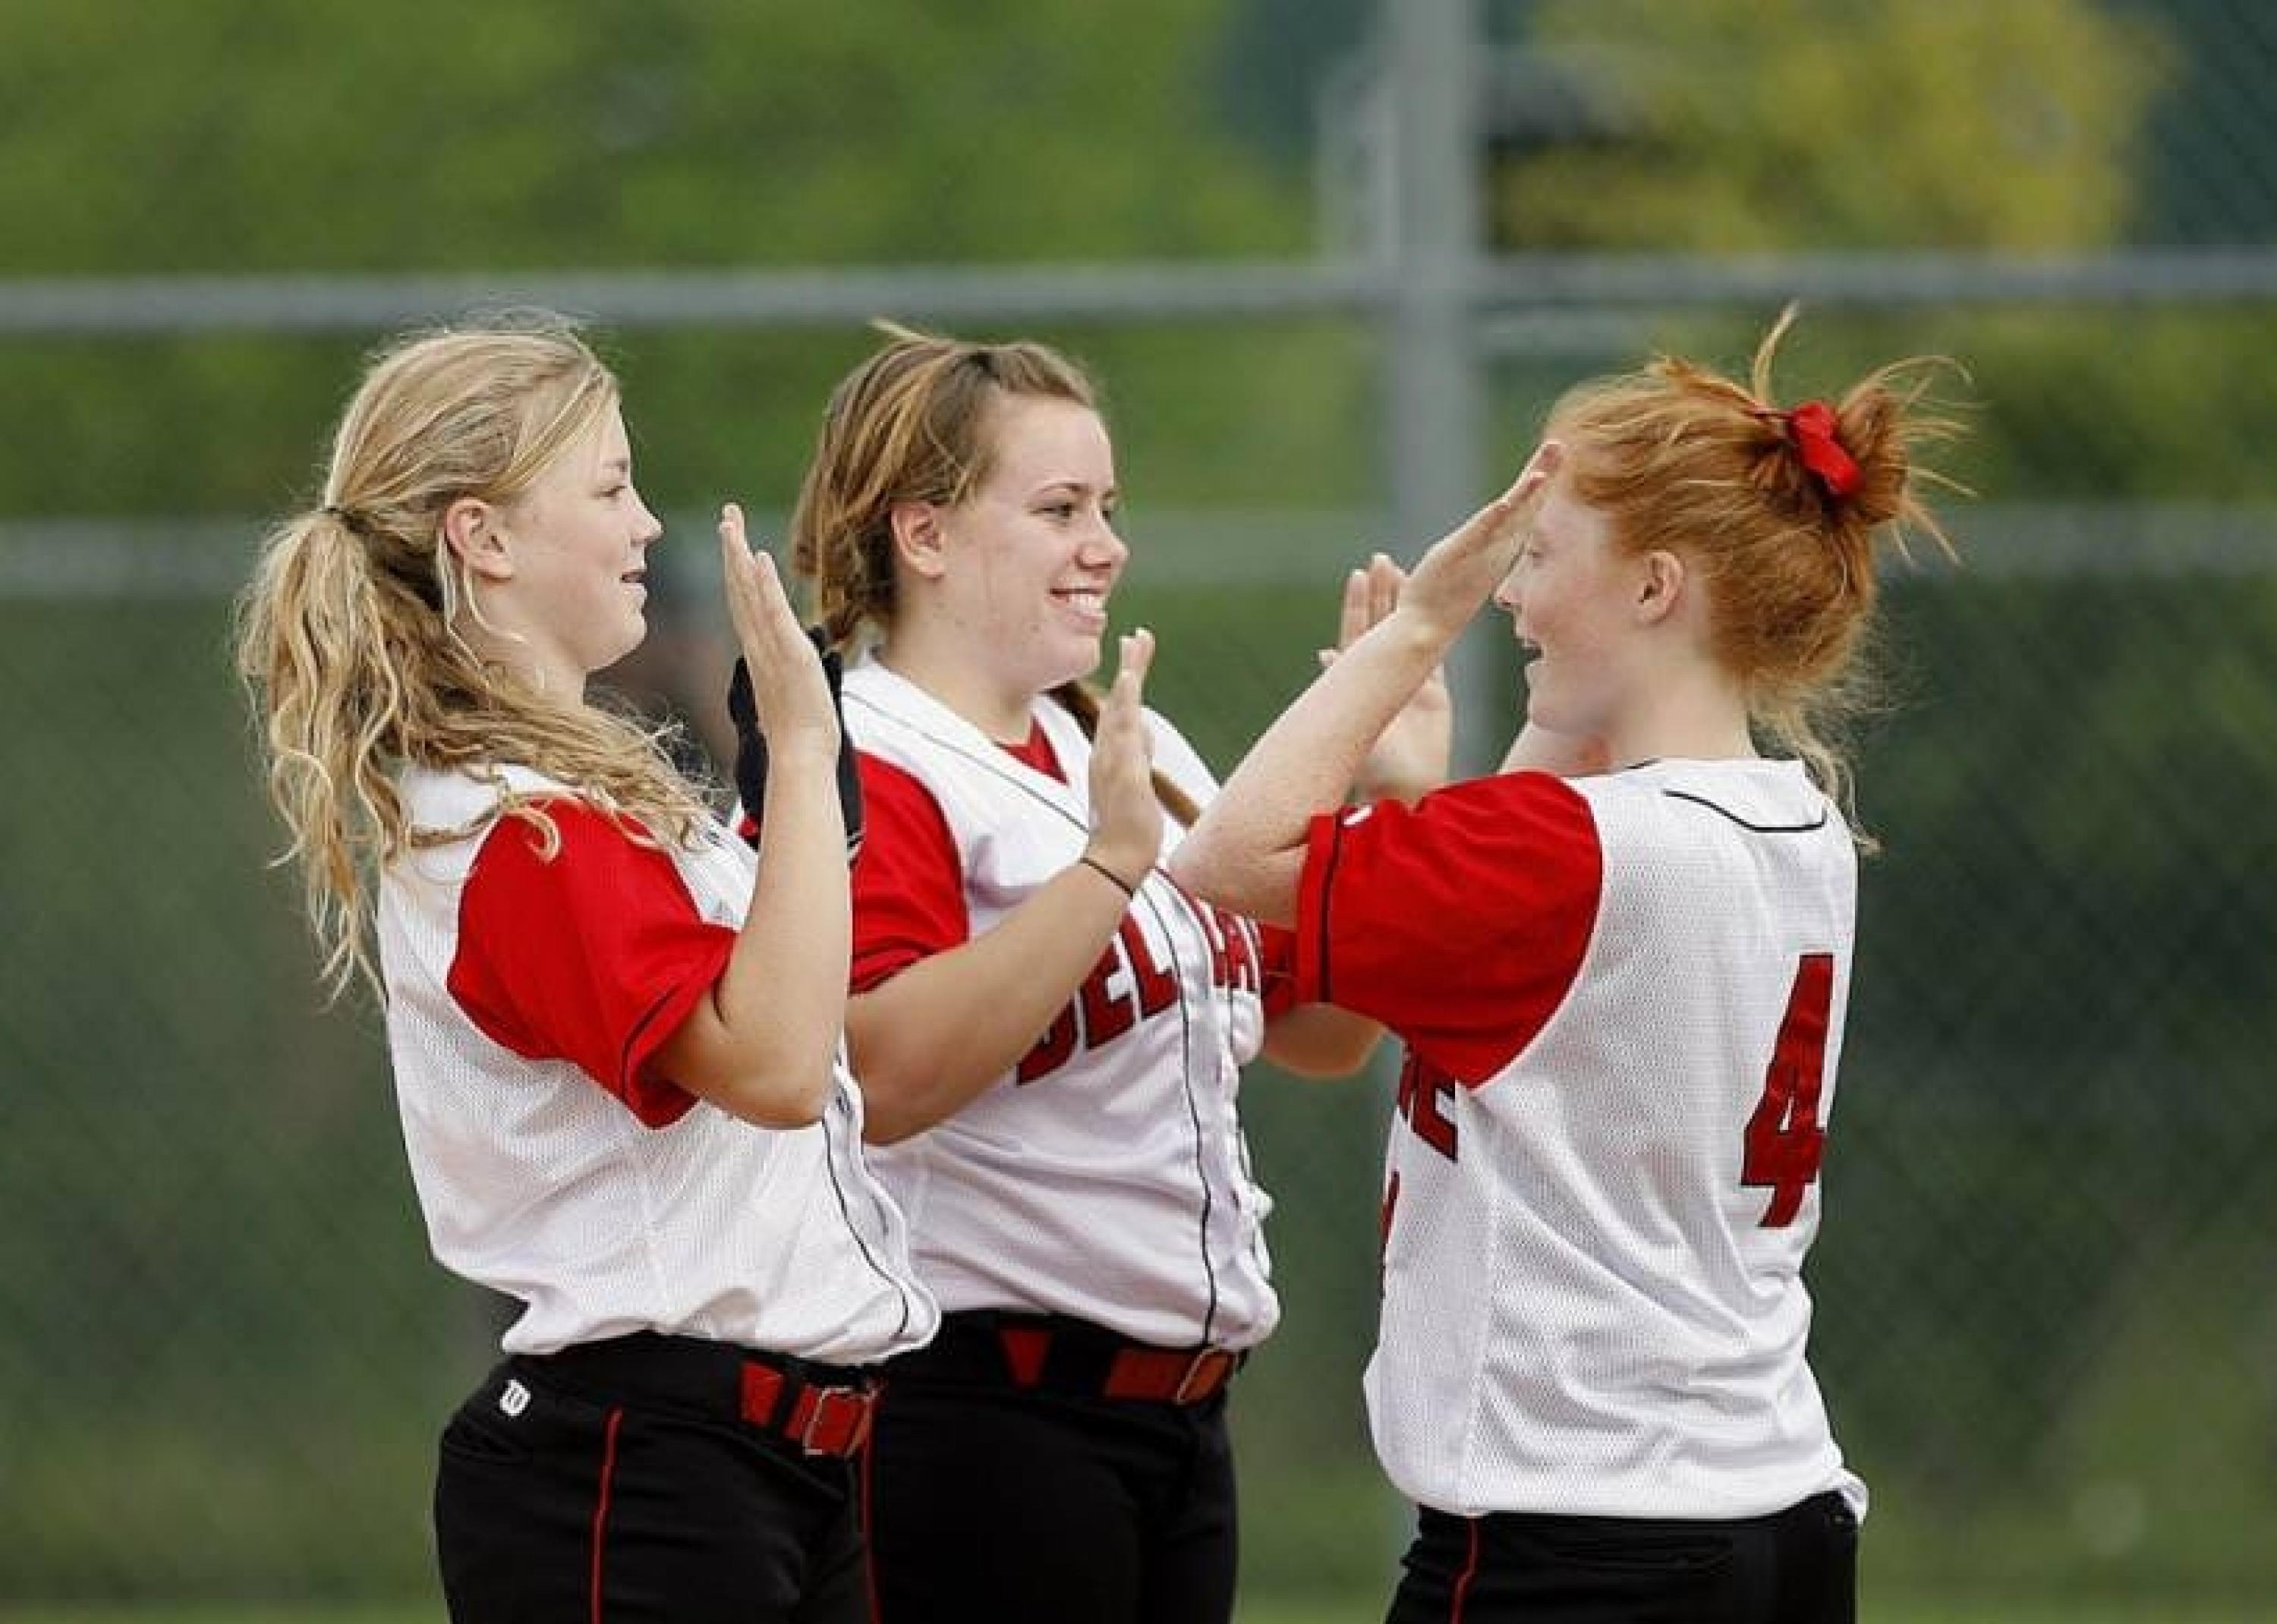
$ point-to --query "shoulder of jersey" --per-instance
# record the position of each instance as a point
(455, 798)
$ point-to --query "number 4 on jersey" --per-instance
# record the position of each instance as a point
(1785, 1137)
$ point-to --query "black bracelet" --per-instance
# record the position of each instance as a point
(1121, 885)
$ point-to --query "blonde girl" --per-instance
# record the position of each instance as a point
(615, 1036)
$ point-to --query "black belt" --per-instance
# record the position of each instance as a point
(1049, 1353)
(822, 1408)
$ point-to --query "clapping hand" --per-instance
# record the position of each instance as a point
(1411, 755)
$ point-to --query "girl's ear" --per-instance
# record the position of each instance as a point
(1660, 586)
(473, 531)
(918, 538)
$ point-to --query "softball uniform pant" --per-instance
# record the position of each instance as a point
(650, 1479)
(1034, 1470)
(1795, 1567)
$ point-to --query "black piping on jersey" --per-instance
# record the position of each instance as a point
(1755, 829)
(846, 1214)
(1328, 889)
(995, 765)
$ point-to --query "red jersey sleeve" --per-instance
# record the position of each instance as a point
(1459, 923)
(908, 881)
(594, 956)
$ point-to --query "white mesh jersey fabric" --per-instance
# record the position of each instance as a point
(1585, 1312)
(538, 1183)
(1117, 1187)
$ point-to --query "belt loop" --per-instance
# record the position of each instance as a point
(762, 1395)
(1025, 1349)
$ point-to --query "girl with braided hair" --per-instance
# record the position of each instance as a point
(1621, 967)
(1047, 1031)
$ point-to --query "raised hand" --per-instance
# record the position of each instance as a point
(1412, 754)
(1126, 817)
(1452, 580)
(783, 697)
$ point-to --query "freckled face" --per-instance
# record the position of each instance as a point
(1569, 597)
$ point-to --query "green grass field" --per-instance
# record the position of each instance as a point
(1367, 1609)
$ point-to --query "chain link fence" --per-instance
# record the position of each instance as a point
(2047, 1325)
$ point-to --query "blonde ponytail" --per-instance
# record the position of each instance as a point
(347, 638)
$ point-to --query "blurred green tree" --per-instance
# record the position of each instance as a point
(253, 136)
(1730, 126)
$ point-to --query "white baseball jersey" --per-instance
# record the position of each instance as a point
(526, 1001)
(1624, 1001)
(1105, 1177)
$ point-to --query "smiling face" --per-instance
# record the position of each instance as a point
(576, 543)
(1028, 558)
(1572, 597)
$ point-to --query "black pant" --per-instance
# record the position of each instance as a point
(1794, 1567)
(991, 1501)
(572, 1490)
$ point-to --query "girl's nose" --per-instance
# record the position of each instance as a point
(1508, 595)
(1105, 547)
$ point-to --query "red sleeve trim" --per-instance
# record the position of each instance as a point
(1276, 964)
(909, 880)
(594, 955)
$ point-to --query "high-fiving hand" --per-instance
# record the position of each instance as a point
(1126, 815)
(1412, 756)
(1451, 580)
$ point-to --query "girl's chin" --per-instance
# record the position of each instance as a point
(1084, 658)
(626, 647)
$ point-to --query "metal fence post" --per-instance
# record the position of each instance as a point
(1435, 380)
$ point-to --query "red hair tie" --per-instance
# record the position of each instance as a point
(1812, 427)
